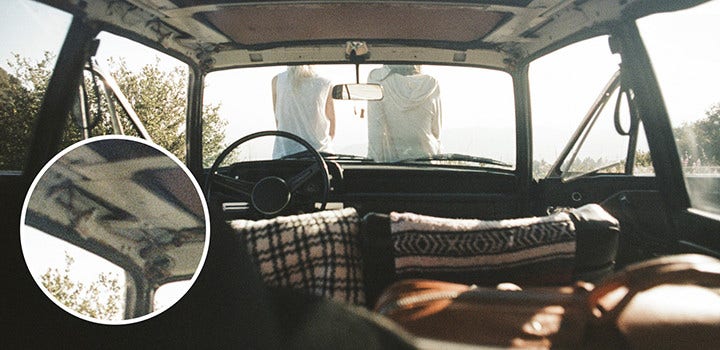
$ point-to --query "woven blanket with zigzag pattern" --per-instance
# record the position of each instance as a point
(473, 251)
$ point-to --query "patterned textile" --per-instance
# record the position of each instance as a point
(473, 251)
(318, 253)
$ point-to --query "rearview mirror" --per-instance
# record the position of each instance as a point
(361, 92)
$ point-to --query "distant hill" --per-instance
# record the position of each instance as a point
(495, 144)
(467, 141)
(498, 144)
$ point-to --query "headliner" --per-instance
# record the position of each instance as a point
(263, 24)
(215, 35)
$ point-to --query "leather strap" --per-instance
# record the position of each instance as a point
(606, 301)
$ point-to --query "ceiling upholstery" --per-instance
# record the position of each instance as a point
(262, 24)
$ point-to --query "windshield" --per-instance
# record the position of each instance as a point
(430, 114)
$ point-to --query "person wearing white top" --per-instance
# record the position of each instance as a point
(406, 123)
(303, 105)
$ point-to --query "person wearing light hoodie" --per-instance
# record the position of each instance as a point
(406, 123)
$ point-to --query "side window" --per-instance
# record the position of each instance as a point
(154, 86)
(101, 108)
(27, 57)
(581, 120)
(687, 65)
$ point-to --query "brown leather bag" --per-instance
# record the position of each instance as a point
(671, 302)
(630, 309)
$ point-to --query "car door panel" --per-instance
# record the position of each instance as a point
(635, 201)
(594, 189)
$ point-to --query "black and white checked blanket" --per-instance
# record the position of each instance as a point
(318, 253)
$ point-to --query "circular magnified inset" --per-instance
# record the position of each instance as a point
(114, 229)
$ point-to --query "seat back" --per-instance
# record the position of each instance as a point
(577, 244)
(318, 253)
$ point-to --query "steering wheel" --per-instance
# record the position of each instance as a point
(271, 194)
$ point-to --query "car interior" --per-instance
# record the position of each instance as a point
(561, 167)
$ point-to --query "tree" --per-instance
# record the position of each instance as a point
(643, 163)
(698, 141)
(158, 96)
(101, 299)
(540, 168)
(20, 97)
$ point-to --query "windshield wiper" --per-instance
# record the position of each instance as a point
(332, 156)
(327, 156)
(457, 157)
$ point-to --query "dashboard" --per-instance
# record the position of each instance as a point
(382, 188)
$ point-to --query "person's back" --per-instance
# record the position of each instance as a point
(303, 107)
(405, 124)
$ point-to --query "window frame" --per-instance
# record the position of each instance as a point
(653, 115)
(693, 200)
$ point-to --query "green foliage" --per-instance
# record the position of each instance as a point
(101, 299)
(213, 141)
(643, 163)
(20, 97)
(643, 166)
(158, 96)
(643, 159)
(699, 142)
(540, 168)
(159, 99)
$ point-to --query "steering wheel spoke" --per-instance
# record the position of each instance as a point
(232, 185)
(302, 177)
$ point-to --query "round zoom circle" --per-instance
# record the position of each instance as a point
(114, 230)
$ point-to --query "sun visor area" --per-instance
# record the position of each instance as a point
(266, 24)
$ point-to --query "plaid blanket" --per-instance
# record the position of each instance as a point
(318, 253)
(474, 251)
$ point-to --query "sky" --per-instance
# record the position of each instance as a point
(690, 89)
(94, 264)
(38, 24)
(86, 266)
